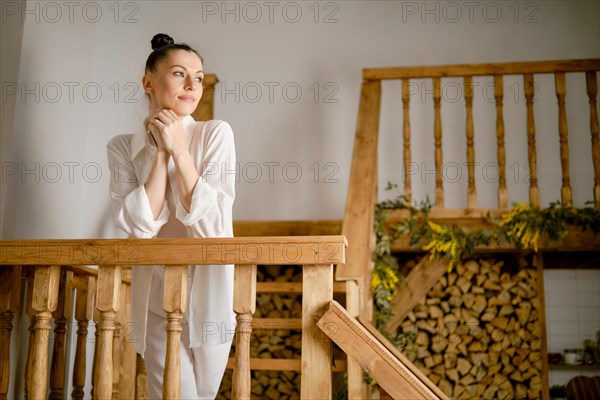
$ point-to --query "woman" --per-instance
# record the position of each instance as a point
(177, 190)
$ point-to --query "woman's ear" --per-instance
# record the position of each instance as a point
(147, 84)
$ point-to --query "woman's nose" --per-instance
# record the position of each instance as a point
(190, 83)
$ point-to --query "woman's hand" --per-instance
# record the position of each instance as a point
(168, 132)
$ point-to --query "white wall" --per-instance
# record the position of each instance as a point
(572, 315)
(62, 133)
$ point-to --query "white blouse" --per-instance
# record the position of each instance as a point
(130, 157)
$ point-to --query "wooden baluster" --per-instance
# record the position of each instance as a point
(107, 302)
(534, 192)
(44, 302)
(471, 189)
(437, 134)
(10, 292)
(96, 359)
(83, 313)
(406, 136)
(118, 346)
(128, 354)
(174, 304)
(60, 315)
(499, 95)
(592, 91)
(561, 90)
(31, 329)
(317, 287)
(244, 305)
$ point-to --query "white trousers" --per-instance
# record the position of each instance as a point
(202, 368)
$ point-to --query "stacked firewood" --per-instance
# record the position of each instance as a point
(479, 331)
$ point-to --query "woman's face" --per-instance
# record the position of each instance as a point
(176, 83)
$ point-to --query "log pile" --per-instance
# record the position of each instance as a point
(479, 332)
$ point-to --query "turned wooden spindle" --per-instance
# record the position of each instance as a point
(471, 189)
(437, 135)
(534, 192)
(31, 329)
(406, 137)
(44, 302)
(61, 315)
(118, 347)
(86, 287)
(95, 360)
(10, 291)
(561, 91)
(244, 305)
(499, 96)
(317, 286)
(592, 91)
(174, 304)
(107, 303)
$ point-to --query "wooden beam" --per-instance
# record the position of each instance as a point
(390, 372)
(418, 282)
(291, 287)
(247, 250)
(287, 228)
(280, 364)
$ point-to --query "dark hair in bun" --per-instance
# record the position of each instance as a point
(162, 44)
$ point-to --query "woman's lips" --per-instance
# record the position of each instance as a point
(188, 99)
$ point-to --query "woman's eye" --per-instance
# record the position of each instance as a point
(199, 79)
(179, 73)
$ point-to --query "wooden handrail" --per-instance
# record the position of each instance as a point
(460, 70)
(242, 250)
(55, 263)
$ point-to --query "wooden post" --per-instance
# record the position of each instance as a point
(174, 304)
(538, 259)
(534, 192)
(244, 305)
(83, 313)
(317, 286)
(10, 292)
(406, 137)
(471, 189)
(592, 91)
(499, 95)
(205, 109)
(561, 91)
(44, 302)
(358, 215)
(357, 389)
(107, 303)
(61, 315)
(437, 135)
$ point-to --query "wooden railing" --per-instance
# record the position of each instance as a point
(362, 192)
(52, 264)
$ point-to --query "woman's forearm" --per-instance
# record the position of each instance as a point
(187, 177)
(156, 184)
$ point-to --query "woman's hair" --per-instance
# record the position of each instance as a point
(162, 44)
